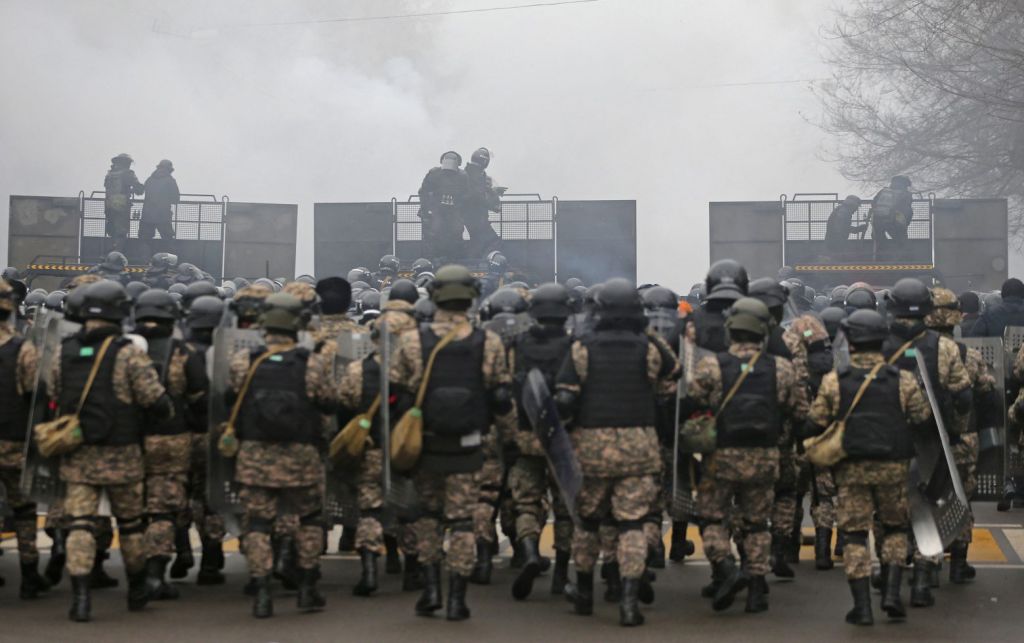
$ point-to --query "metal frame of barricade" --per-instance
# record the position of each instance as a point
(1013, 337)
(991, 470)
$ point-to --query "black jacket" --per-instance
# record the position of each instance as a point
(161, 193)
(993, 322)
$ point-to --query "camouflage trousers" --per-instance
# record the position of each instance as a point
(82, 501)
(24, 511)
(628, 501)
(529, 482)
(966, 455)
(262, 505)
(370, 499)
(167, 461)
(56, 518)
(448, 502)
(785, 506)
(823, 506)
(871, 491)
(746, 477)
(209, 524)
(491, 478)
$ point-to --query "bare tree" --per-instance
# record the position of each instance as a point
(933, 89)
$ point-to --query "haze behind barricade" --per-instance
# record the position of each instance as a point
(606, 100)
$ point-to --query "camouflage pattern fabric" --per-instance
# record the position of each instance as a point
(262, 505)
(23, 509)
(448, 502)
(529, 482)
(167, 459)
(370, 498)
(627, 500)
(209, 524)
(867, 490)
(490, 479)
(81, 503)
(966, 455)
(823, 509)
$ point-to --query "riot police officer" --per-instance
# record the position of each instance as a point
(120, 185)
(726, 282)
(112, 267)
(483, 198)
(442, 198)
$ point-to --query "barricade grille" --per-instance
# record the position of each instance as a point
(192, 220)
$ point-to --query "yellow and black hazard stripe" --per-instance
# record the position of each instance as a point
(72, 268)
(866, 267)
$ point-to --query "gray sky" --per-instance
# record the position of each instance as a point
(604, 100)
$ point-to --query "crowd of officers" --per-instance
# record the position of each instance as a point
(610, 354)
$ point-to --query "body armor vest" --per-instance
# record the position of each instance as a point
(711, 333)
(105, 420)
(928, 345)
(776, 345)
(370, 390)
(617, 392)
(455, 411)
(877, 428)
(13, 407)
(161, 351)
(277, 407)
(753, 417)
(545, 352)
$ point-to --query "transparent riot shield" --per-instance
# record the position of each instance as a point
(40, 479)
(841, 351)
(400, 499)
(684, 502)
(540, 409)
(992, 457)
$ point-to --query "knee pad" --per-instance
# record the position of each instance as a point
(83, 523)
(164, 516)
(653, 518)
(630, 525)
(754, 527)
(590, 525)
(856, 538)
(461, 525)
(314, 519)
(261, 525)
(893, 530)
(129, 526)
(25, 512)
(374, 513)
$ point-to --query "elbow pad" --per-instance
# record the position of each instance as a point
(962, 401)
(163, 408)
(501, 399)
(566, 403)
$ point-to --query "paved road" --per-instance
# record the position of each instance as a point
(811, 608)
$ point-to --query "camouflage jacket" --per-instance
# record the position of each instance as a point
(952, 375)
(801, 334)
(25, 381)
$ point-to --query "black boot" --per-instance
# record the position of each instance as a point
(523, 584)
(920, 593)
(891, 601)
(138, 592)
(840, 543)
(286, 567)
(861, 612)
(629, 610)
(211, 564)
(158, 588)
(393, 561)
(757, 595)
(98, 577)
(517, 555)
(58, 556)
(262, 604)
(484, 564)
(780, 566)
(613, 589)
(32, 583)
(183, 560)
(823, 548)
(561, 574)
(656, 555)
(310, 599)
(81, 604)
(457, 609)
(959, 571)
(430, 600)
(681, 547)
(347, 542)
(878, 577)
(733, 582)
(581, 593)
(646, 591)
(934, 572)
(368, 581)
(412, 579)
(708, 591)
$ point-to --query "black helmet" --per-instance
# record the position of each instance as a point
(423, 310)
(52, 301)
(860, 298)
(359, 274)
(573, 282)
(900, 182)
(187, 273)
(576, 298)
(403, 290)
(178, 288)
(115, 261)
(368, 300)
(359, 286)
(421, 266)
(156, 304)
(551, 301)
(726, 279)
(481, 157)
(107, 300)
(660, 297)
(136, 288)
(122, 158)
(619, 299)
(909, 298)
(389, 265)
(197, 290)
(458, 157)
(73, 305)
(11, 273)
(307, 279)
(205, 313)
(496, 262)
(865, 326)
(267, 283)
(505, 300)
(820, 303)
(454, 283)
(424, 279)
(838, 296)
(38, 298)
(770, 292)
(750, 315)
(163, 260)
(785, 273)
(831, 317)
(282, 312)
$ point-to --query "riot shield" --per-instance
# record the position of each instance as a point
(1013, 460)
(40, 479)
(664, 322)
(400, 498)
(684, 486)
(508, 325)
(540, 409)
(939, 511)
(841, 351)
(992, 459)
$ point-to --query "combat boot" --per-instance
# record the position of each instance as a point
(32, 583)
(959, 571)
(934, 572)
(878, 577)
(681, 547)
(138, 592)
(780, 566)
(891, 601)
(517, 555)
(368, 581)
(629, 610)
(157, 588)
(262, 604)
(646, 591)
(708, 591)
(430, 600)
(561, 574)
(98, 577)
(613, 587)
(523, 584)
(81, 603)
(412, 579)
(393, 561)
(840, 543)
(310, 599)
(920, 593)
(211, 564)
(347, 542)
(58, 556)
(733, 582)
(457, 609)
(861, 612)
(183, 560)
(656, 554)
(581, 593)
(484, 564)
(823, 548)
(757, 595)
(286, 567)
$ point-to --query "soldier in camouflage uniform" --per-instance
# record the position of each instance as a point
(469, 385)
(609, 387)
(18, 364)
(248, 302)
(279, 462)
(878, 445)
(167, 445)
(110, 458)
(909, 302)
(943, 319)
(745, 464)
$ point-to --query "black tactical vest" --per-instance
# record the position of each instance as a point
(105, 420)
(776, 345)
(753, 417)
(370, 390)
(617, 392)
(877, 428)
(277, 407)
(13, 407)
(928, 345)
(711, 333)
(545, 352)
(819, 362)
(161, 351)
(198, 415)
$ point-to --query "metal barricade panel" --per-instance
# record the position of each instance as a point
(992, 466)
